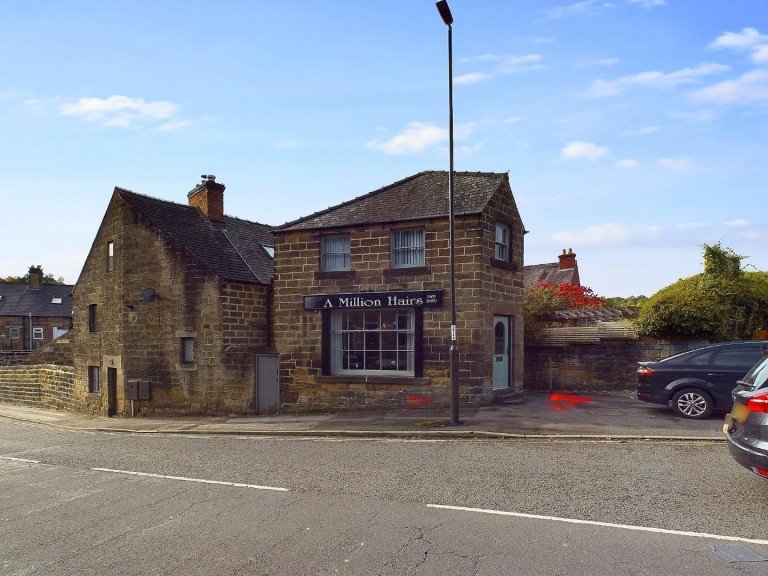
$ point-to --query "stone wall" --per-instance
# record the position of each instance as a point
(39, 386)
(58, 351)
(610, 364)
(14, 358)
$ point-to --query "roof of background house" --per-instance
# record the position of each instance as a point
(424, 195)
(610, 314)
(50, 300)
(535, 274)
(233, 250)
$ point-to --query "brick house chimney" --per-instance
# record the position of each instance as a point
(567, 261)
(208, 197)
(35, 278)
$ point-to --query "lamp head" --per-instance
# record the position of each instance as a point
(445, 12)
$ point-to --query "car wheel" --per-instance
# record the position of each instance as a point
(692, 403)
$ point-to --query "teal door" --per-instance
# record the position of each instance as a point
(501, 349)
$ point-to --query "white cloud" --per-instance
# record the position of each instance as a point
(577, 8)
(628, 164)
(609, 234)
(575, 150)
(649, 3)
(504, 65)
(419, 136)
(744, 40)
(171, 126)
(740, 223)
(749, 88)
(471, 78)
(513, 120)
(119, 111)
(692, 226)
(760, 55)
(652, 79)
(680, 164)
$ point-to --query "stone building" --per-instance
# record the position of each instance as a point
(362, 296)
(566, 269)
(33, 313)
(171, 310)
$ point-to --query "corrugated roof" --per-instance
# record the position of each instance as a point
(232, 249)
(16, 299)
(424, 195)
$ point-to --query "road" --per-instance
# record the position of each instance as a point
(76, 502)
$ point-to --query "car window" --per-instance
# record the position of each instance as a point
(757, 377)
(738, 356)
(698, 358)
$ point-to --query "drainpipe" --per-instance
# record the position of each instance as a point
(30, 330)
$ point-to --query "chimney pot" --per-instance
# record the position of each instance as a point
(208, 197)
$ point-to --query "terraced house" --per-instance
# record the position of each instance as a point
(171, 310)
(361, 296)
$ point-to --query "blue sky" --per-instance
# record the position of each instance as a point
(633, 131)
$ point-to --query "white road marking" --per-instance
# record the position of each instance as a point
(603, 524)
(12, 459)
(198, 480)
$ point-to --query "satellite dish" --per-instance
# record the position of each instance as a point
(148, 295)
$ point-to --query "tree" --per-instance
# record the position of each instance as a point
(724, 302)
(543, 299)
(47, 279)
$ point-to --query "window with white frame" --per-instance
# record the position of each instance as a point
(37, 333)
(407, 248)
(502, 243)
(93, 380)
(14, 332)
(110, 256)
(372, 341)
(335, 253)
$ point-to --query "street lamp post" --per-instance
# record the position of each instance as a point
(445, 14)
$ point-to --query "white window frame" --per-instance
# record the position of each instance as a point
(407, 248)
(37, 333)
(373, 342)
(335, 253)
(501, 243)
(14, 333)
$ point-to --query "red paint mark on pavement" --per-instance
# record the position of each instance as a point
(566, 402)
(414, 402)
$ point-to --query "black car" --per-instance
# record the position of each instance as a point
(700, 381)
(746, 427)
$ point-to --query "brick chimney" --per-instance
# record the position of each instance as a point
(567, 261)
(35, 277)
(208, 197)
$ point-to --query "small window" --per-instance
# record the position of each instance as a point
(92, 318)
(270, 250)
(110, 256)
(187, 350)
(502, 243)
(407, 248)
(335, 253)
(37, 333)
(56, 300)
(93, 380)
(14, 332)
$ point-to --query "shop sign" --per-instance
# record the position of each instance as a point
(410, 299)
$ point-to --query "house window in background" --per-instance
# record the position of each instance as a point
(110, 256)
(187, 350)
(93, 380)
(502, 243)
(407, 248)
(92, 318)
(335, 253)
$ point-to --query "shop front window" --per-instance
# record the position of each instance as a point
(372, 342)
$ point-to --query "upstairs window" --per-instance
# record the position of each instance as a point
(14, 332)
(501, 243)
(110, 256)
(92, 318)
(407, 248)
(335, 253)
(37, 333)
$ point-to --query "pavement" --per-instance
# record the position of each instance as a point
(617, 416)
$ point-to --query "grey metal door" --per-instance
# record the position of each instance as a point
(266, 398)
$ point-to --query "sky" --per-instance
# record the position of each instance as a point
(633, 131)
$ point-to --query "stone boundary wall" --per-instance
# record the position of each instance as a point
(14, 358)
(610, 364)
(38, 386)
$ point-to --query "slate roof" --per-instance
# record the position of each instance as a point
(535, 274)
(595, 315)
(424, 195)
(233, 250)
(17, 299)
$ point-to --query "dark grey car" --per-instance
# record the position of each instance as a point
(746, 426)
(698, 382)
